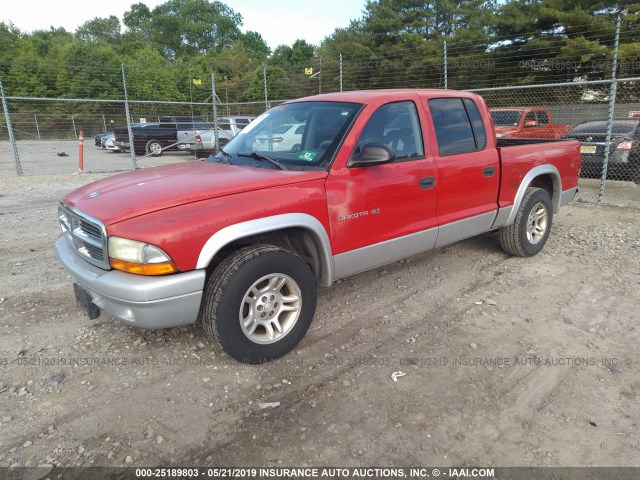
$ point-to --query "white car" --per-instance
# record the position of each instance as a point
(284, 138)
(108, 142)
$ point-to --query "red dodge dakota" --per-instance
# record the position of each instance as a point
(526, 123)
(241, 241)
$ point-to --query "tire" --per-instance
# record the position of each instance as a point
(529, 232)
(259, 275)
(201, 154)
(153, 148)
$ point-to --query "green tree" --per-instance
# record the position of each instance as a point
(191, 27)
(276, 89)
(564, 40)
(254, 45)
(100, 30)
(299, 54)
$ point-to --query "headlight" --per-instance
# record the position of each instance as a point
(139, 257)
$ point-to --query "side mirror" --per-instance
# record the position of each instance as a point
(372, 154)
(530, 123)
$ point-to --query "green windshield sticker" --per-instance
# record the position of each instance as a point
(307, 155)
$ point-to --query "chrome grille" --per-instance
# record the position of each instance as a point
(86, 235)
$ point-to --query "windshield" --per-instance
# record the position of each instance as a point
(505, 118)
(620, 127)
(300, 135)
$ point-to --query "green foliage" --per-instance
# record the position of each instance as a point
(100, 30)
(396, 43)
(275, 84)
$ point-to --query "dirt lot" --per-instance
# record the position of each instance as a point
(508, 362)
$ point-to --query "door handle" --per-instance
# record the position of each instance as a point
(488, 171)
(427, 182)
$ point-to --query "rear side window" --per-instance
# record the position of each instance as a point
(543, 118)
(458, 125)
(476, 123)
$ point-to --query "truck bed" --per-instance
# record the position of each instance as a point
(520, 155)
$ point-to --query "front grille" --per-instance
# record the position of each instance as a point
(86, 235)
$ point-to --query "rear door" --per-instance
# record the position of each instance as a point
(468, 170)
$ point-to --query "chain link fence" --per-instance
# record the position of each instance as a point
(42, 135)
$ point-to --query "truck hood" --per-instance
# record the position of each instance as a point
(132, 194)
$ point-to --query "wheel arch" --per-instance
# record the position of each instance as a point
(297, 232)
(546, 177)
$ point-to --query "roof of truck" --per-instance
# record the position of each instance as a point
(368, 96)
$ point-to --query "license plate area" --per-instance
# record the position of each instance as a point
(590, 149)
(83, 300)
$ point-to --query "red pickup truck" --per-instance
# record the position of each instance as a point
(241, 241)
(526, 123)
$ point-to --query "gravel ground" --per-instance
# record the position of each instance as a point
(507, 361)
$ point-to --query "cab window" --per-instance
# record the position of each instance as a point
(458, 126)
(397, 126)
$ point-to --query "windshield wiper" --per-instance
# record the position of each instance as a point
(226, 157)
(259, 156)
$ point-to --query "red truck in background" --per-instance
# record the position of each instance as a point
(241, 241)
(526, 123)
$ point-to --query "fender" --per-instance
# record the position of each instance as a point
(268, 224)
(507, 215)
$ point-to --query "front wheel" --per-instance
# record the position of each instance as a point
(529, 232)
(259, 303)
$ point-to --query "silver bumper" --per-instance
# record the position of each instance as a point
(568, 196)
(145, 302)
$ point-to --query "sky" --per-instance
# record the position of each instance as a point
(278, 21)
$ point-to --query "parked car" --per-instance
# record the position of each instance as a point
(241, 241)
(287, 137)
(108, 142)
(170, 133)
(97, 139)
(526, 123)
(234, 123)
(205, 142)
(624, 148)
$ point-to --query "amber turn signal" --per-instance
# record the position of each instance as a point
(144, 268)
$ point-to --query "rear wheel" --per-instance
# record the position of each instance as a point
(259, 303)
(154, 148)
(528, 234)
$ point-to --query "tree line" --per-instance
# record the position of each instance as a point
(170, 51)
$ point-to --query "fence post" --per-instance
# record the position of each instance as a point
(446, 75)
(132, 148)
(75, 132)
(266, 97)
(12, 139)
(612, 105)
(104, 123)
(340, 72)
(81, 152)
(35, 117)
(215, 111)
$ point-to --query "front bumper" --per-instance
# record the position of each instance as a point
(145, 302)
